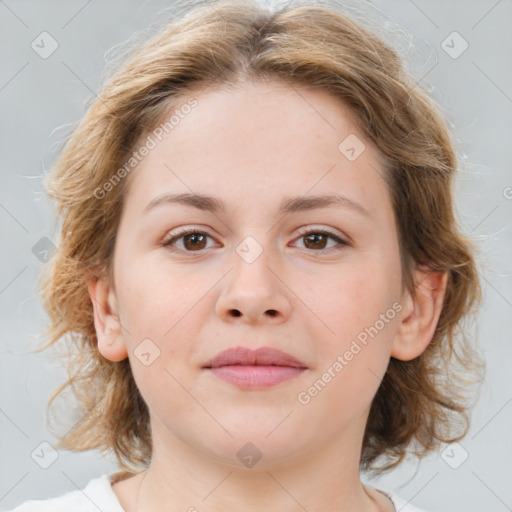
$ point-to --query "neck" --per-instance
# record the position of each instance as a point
(180, 478)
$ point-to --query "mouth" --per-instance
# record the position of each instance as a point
(254, 369)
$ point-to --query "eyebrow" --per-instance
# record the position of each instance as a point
(288, 205)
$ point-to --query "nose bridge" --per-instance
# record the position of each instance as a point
(252, 262)
(252, 290)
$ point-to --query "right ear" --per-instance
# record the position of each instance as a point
(111, 343)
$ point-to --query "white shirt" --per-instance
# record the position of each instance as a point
(99, 495)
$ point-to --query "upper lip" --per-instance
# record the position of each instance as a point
(245, 356)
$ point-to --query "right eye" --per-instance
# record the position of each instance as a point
(192, 239)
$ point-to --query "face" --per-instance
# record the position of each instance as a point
(271, 261)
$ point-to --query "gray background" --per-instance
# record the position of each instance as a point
(40, 98)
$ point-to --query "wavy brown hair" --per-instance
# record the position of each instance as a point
(420, 403)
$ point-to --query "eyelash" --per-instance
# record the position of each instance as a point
(302, 233)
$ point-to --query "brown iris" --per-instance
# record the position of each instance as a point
(318, 240)
(197, 241)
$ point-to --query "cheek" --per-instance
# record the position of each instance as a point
(354, 297)
(158, 297)
(163, 310)
(358, 308)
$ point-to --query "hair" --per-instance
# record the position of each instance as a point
(420, 403)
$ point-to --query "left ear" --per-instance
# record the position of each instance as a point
(420, 314)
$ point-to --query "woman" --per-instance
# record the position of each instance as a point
(259, 268)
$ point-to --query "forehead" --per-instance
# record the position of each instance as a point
(256, 138)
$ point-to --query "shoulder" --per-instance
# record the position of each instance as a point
(98, 494)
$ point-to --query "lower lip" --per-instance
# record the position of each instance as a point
(255, 377)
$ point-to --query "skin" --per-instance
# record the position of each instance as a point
(251, 147)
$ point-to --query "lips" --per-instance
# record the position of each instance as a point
(264, 356)
(254, 369)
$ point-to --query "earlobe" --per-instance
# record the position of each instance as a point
(111, 343)
(420, 314)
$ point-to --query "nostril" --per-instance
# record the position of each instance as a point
(272, 312)
(236, 312)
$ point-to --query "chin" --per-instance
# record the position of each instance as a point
(254, 449)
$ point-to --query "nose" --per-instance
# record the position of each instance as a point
(253, 293)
